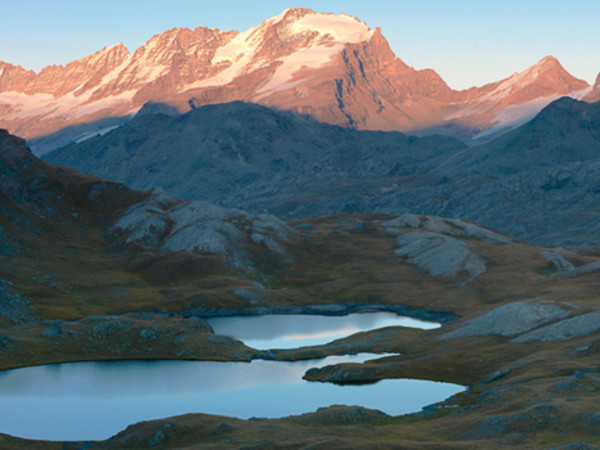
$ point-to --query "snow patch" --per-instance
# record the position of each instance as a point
(343, 28)
(68, 106)
(578, 95)
(274, 85)
(516, 115)
(310, 58)
(91, 134)
(333, 33)
(114, 74)
(239, 51)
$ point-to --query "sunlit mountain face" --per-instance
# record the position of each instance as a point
(333, 68)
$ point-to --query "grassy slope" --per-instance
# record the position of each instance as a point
(338, 264)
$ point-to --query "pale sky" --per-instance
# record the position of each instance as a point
(468, 42)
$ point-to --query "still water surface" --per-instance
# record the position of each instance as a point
(295, 330)
(94, 400)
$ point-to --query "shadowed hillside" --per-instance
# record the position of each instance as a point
(538, 182)
(94, 270)
(242, 155)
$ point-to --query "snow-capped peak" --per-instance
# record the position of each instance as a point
(332, 33)
(549, 77)
(296, 39)
(548, 63)
(299, 60)
(342, 28)
(289, 15)
(532, 73)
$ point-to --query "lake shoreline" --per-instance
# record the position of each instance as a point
(338, 309)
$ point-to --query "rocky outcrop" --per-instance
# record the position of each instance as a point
(451, 227)
(566, 269)
(530, 321)
(577, 271)
(166, 223)
(556, 256)
(574, 327)
(511, 319)
(435, 247)
(440, 255)
(15, 165)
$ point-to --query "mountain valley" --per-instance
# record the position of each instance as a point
(129, 275)
(301, 168)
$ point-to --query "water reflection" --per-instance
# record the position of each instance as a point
(81, 401)
(291, 331)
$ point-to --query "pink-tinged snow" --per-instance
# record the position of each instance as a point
(105, 103)
(516, 115)
(515, 82)
(68, 106)
(100, 55)
(114, 74)
(23, 105)
(241, 51)
(578, 95)
(342, 30)
(147, 64)
(512, 84)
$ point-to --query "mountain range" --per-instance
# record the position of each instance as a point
(300, 167)
(538, 182)
(245, 155)
(332, 68)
